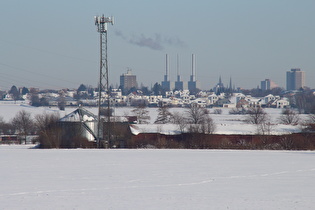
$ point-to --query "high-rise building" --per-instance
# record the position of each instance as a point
(267, 84)
(295, 79)
(128, 81)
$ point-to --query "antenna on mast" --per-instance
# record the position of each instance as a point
(101, 24)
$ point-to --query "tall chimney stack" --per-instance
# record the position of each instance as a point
(178, 75)
(166, 84)
(167, 69)
(193, 69)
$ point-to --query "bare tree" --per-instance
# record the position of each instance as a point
(2, 123)
(6, 128)
(287, 142)
(61, 101)
(42, 121)
(256, 115)
(23, 123)
(47, 128)
(238, 111)
(208, 125)
(217, 111)
(309, 125)
(195, 114)
(289, 116)
(199, 119)
(106, 112)
(265, 128)
(142, 114)
(164, 115)
(195, 128)
(180, 121)
(264, 131)
(311, 118)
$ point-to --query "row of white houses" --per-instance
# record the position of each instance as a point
(172, 98)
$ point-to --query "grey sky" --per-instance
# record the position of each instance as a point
(54, 44)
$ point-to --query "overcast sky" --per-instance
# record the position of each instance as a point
(54, 43)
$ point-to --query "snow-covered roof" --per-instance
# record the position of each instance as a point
(167, 129)
(79, 115)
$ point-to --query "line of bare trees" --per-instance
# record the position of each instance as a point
(195, 119)
(257, 115)
(23, 125)
(198, 120)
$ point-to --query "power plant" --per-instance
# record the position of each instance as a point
(192, 84)
(179, 85)
(166, 84)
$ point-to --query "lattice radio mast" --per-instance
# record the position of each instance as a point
(101, 23)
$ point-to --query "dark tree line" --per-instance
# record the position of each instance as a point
(304, 101)
(22, 125)
(49, 131)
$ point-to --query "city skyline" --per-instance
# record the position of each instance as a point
(54, 44)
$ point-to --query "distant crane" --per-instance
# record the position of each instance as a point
(101, 23)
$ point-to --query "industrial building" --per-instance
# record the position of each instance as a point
(192, 84)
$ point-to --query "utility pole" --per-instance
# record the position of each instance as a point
(101, 23)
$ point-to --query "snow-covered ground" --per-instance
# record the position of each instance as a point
(155, 179)
(225, 123)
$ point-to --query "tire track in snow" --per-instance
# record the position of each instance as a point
(154, 186)
(105, 188)
(264, 175)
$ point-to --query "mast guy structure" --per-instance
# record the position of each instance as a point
(101, 23)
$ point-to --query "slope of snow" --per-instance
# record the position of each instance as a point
(155, 179)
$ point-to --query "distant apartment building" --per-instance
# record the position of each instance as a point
(128, 81)
(295, 79)
(267, 84)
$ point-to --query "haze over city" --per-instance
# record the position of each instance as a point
(54, 44)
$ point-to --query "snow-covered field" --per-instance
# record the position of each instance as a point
(155, 179)
(225, 123)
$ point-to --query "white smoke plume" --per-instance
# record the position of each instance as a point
(157, 42)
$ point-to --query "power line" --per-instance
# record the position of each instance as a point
(18, 80)
(49, 52)
(36, 74)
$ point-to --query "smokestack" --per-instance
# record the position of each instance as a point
(178, 76)
(193, 69)
(167, 69)
(166, 84)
